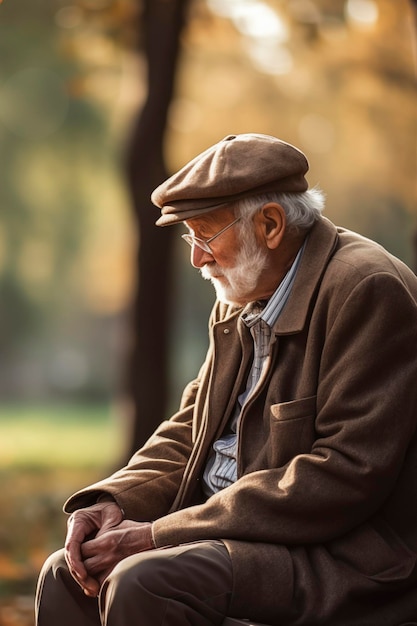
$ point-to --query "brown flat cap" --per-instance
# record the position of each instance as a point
(236, 167)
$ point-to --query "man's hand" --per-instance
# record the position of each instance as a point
(101, 554)
(83, 523)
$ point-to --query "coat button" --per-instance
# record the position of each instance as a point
(226, 331)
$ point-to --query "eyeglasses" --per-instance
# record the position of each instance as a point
(204, 243)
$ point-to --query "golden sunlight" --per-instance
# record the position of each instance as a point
(362, 12)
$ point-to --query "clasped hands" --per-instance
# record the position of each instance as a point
(97, 539)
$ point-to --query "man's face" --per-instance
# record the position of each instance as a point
(236, 261)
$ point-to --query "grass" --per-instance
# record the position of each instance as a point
(59, 436)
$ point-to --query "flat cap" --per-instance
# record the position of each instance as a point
(236, 167)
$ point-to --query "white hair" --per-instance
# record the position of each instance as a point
(302, 209)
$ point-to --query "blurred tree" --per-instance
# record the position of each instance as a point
(160, 25)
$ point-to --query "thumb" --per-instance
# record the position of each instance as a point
(111, 516)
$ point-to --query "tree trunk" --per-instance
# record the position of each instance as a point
(147, 375)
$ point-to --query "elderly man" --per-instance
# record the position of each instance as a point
(285, 488)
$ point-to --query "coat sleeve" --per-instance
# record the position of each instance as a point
(364, 427)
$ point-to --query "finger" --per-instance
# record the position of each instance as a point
(74, 562)
(92, 593)
(74, 559)
(99, 555)
(96, 566)
(91, 587)
(92, 548)
(97, 562)
(79, 525)
(88, 583)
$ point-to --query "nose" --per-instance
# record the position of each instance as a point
(200, 257)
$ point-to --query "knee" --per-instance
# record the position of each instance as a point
(134, 573)
(193, 580)
(54, 564)
(49, 582)
(54, 574)
(143, 579)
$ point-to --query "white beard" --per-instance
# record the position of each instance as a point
(236, 284)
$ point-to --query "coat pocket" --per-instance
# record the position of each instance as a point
(292, 430)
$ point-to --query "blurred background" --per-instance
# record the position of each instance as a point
(99, 101)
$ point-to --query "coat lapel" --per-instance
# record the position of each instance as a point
(320, 245)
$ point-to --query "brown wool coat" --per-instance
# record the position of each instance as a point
(321, 524)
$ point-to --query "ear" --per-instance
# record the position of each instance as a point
(272, 223)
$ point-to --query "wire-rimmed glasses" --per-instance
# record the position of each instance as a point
(204, 243)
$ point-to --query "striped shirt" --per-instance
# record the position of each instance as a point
(221, 468)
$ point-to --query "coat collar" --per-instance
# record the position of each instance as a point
(320, 245)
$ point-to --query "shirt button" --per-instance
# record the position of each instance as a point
(226, 331)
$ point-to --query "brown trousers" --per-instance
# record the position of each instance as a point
(187, 584)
